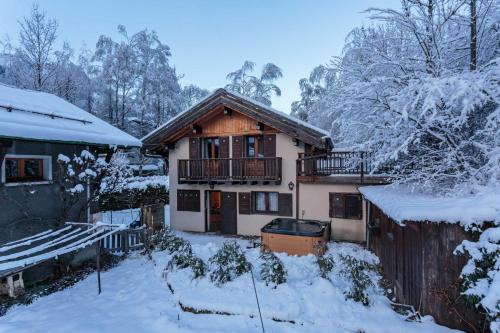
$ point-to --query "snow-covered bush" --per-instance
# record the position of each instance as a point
(356, 271)
(162, 238)
(183, 257)
(481, 274)
(198, 267)
(325, 264)
(228, 263)
(272, 270)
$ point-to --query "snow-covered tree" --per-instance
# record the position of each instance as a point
(128, 82)
(260, 88)
(192, 94)
(403, 90)
(85, 176)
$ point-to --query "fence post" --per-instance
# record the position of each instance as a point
(125, 244)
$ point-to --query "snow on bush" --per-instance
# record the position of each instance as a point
(181, 251)
(272, 270)
(481, 274)
(356, 270)
(228, 263)
(325, 264)
(161, 239)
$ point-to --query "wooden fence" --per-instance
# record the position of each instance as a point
(125, 241)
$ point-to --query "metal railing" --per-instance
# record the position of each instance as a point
(335, 163)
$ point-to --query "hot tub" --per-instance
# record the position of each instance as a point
(295, 237)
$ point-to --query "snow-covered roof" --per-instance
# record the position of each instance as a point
(401, 204)
(278, 114)
(27, 114)
(283, 114)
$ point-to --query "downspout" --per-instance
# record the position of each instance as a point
(89, 219)
(368, 218)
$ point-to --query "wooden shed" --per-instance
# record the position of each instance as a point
(418, 260)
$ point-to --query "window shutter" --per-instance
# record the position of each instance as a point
(245, 203)
(188, 200)
(237, 146)
(285, 204)
(337, 205)
(224, 147)
(194, 148)
(353, 206)
(270, 145)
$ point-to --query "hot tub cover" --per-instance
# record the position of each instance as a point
(294, 227)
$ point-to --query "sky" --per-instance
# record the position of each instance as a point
(209, 39)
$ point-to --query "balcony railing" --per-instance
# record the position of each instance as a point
(335, 163)
(230, 169)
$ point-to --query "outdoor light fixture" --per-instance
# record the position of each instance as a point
(259, 126)
(291, 185)
(227, 111)
(197, 129)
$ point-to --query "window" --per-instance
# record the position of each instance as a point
(265, 202)
(23, 169)
(254, 146)
(211, 147)
(346, 206)
(188, 200)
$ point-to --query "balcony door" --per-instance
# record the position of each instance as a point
(215, 154)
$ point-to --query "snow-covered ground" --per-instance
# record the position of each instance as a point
(136, 298)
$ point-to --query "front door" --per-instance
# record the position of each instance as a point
(228, 210)
(214, 210)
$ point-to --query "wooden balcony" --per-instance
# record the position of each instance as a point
(338, 167)
(218, 170)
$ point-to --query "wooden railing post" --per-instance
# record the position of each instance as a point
(125, 243)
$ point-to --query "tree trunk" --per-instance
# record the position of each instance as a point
(473, 35)
(430, 38)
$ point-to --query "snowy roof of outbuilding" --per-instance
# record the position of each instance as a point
(33, 115)
(401, 204)
(252, 108)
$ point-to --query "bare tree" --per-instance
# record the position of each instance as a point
(37, 38)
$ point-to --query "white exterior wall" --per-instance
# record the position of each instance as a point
(314, 204)
(246, 224)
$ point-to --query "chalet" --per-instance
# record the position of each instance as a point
(415, 237)
(35, 128)
(236, 164)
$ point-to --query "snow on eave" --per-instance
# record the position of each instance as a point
(177, 116)
(401, 204)
(325, 133)
(39, 116)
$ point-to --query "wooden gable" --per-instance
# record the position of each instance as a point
(226, 113)
(230, 125)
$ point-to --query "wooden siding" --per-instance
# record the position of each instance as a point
(236, 123)
(418, 260)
